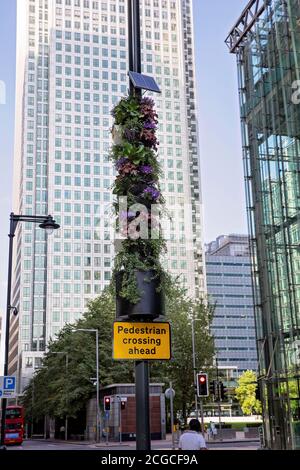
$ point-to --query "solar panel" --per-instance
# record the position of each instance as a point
(144, 82)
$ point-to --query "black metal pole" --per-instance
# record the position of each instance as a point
(134, 40)
(219, 398)
(45, 223)
(11, 235)
(130, 44)
(143, 437)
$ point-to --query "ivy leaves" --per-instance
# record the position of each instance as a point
(127, 109)
(135, 159)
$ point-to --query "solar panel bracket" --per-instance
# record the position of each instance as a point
(143, 82)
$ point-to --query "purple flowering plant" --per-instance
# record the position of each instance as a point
(146, 169)
(151, 192)
(134, 154)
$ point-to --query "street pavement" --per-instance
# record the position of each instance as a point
(130, 446)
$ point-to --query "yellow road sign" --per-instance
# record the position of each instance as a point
(141, 341)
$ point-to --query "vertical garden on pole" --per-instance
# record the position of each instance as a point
(139, 275)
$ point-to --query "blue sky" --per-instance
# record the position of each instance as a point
(219, 121)
(219, 126)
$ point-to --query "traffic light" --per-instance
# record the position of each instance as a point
(202, 385)
(213, 389)
(123, 404)
(223, 391)
(258, 393)
(107, 403)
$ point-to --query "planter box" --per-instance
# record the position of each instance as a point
(151, 305)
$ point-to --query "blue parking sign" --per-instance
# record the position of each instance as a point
(9, 383)
(8, 387)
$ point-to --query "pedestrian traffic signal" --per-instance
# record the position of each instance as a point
(107, 403)
(202, 385)
(123, 404)
(223, 391)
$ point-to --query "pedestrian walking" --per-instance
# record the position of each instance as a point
(192, 439)
(206, 435)
(213, 431)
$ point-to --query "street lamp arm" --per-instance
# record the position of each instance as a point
(45, 221)
(30, 218)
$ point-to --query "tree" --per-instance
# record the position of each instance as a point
(180, 310)
(57, 393)
(245, 393)
(53, 391)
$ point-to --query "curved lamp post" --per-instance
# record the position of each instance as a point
(46, 222)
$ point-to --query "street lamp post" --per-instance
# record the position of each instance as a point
(32, 406)
(143, 434)
(194, 367)
(195, 377)
(47, 223)
(67, 364)
(119, 400)
(219, 397)
(97, 375)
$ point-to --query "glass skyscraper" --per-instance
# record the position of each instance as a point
(229, 287)
(72, 64)
(266, 41)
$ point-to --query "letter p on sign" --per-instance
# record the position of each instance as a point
(9, 383)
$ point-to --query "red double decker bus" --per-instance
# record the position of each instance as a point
(14, 425)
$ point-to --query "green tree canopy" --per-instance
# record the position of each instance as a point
(180, 311)
(62, 388)
(245, 393)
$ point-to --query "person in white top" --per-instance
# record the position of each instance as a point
(192, 439)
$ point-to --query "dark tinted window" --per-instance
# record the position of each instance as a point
(13, 413)
(13, 426)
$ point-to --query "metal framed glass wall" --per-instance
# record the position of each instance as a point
(268, 67)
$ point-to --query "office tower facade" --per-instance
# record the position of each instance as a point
(72, 64)
(229, 287)
(266, 41)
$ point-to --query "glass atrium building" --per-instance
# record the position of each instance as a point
(266, 41)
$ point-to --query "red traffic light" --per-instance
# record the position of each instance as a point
(107, 403)
(202, 385)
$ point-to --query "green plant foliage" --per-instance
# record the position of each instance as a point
(138, 171)
(128, 109)
(180, 311)
(57, 392)
(245, 393)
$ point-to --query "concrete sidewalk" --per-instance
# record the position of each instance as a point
(132, 444)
